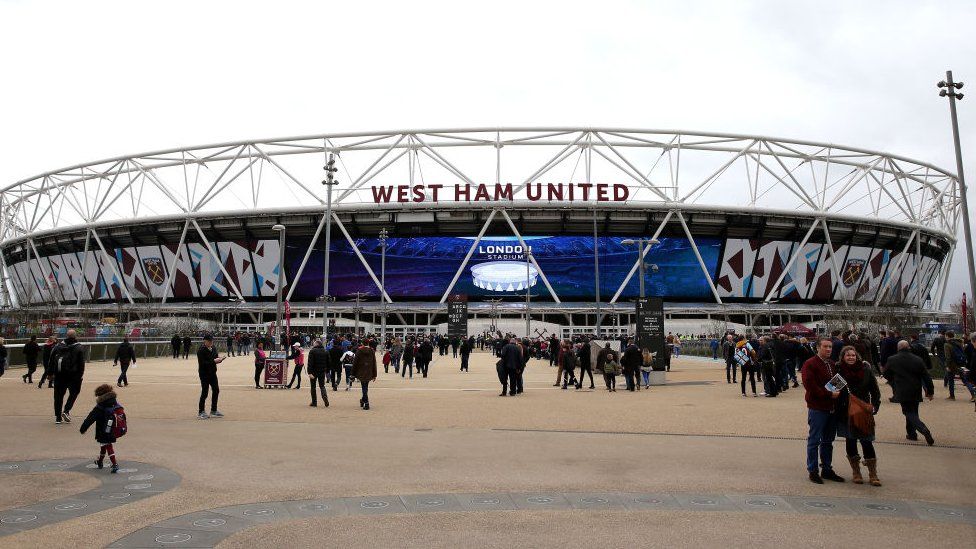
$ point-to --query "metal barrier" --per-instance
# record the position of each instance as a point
(95, 351)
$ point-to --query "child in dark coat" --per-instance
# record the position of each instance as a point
(105, 403)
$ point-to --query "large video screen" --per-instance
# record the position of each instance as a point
(422, 268)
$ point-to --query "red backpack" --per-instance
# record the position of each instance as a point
(116, 421)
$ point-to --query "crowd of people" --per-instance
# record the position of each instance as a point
(839, 374)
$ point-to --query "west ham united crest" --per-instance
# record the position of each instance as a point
(852, 271)
(154, 270)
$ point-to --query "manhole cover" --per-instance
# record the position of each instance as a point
(819, 504)
(141, 477)
(485, 501)
(54, 465)
(760, 503)
(539, 500)
(139, 486)
(880, 507)
(318, 507)
(121, 495)
(594, 500)
(70, 506)
(209, 522)
(431, 502)
(700, 501)
(258, 512)
(128, 470)
(11, 466)
(649, 501)
(374, 504)
(173, 538)
(18, 519)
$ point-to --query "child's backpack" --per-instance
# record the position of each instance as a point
(116, 423)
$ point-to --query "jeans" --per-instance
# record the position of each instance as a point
(258, 368)
(62, 383)
(348, 369)
(365, 384)
(208, 382)
(730, 369)
(408, 363)
(647, 378)
(395, 361)
(823, 429)
(584, 371)
(913, 423)
(951, 382)
(122, 376)
(296, 375)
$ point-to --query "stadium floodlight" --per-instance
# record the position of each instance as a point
(948, 89)
(383, 236)
(329, 182)
(280, 229)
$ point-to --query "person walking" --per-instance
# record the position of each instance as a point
(46, 351)
(318, 365)
(347, 360)
(207, 361)
(174, 342)
(125, 355)
(396, 353)
(570, 361)
(647, 366)
(631, 362)
(364, 369)
(68, 362)
(259, 359)
(745, 357)
(187, 343)
(426, 355)
(104, 411)
(767, 364)
(611, 369)
(508, 366)
(728, 351)
(465, 350)
(298, 357)
(31, 350)
(409, 352)
(861, 384)
(955, 364)
(585, 364)
(821, 419)
(3, 356)
(230, 344)
(909, 377)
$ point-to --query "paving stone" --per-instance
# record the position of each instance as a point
(205, 521)
(14, 467)
(819, 505)
(944, 513)
(648, 501)
(170, 537)
(317, 508)
(759, 504)
(432, 503)
(487, 502)
(598, 501)
(705, 502)
(379, 505)
(540, 501)
(257, 512)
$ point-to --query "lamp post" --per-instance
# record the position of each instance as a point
(280, 229)
(528, 293)
(329, 182)
(948, 88)
(383, 236)
(358, 298)
(641, 243)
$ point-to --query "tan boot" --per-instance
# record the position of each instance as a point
(856, 467)
(872, 465)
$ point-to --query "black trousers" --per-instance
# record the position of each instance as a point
(408, 363)
(62, 384)
(257, 374)
(297, 374)
(507, 378)
(517, 381)
(730, 371)
(584, 371)
(464, 362)
(186, 352)
(208, 382)
(423, 366)
(752, 379)
(913, 423)
(320, 380)
(176, 352)
(31, 368)
(335, 377)
(365, 385)
(122, 377)
(610, 380)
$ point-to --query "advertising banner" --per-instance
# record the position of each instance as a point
(650, 327)
(457, 315)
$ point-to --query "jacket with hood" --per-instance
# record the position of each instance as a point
(99, 416)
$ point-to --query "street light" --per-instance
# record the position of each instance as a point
(528, 292)
(280, 229)
(948, 88)
(329, 182)
(383, 236)
(641, 246)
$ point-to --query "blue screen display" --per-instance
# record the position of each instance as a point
(419, 269)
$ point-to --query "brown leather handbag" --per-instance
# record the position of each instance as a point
(860, 417)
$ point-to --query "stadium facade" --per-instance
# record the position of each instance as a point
(741, 222)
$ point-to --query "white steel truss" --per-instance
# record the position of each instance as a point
(673, 171)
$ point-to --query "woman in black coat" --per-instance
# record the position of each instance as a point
(862, 384)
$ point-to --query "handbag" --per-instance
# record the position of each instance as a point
(860, 417)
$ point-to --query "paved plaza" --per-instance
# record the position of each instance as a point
(445, 462)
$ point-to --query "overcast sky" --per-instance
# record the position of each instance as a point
(85, 80)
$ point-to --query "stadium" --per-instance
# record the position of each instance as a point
(737, 224)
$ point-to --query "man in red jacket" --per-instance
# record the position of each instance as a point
(817, 371)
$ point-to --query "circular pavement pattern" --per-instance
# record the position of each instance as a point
(112, 492)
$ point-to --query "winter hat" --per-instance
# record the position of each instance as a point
(103, 389)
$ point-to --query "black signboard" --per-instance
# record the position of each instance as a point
(457, 315)
(650, 327)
